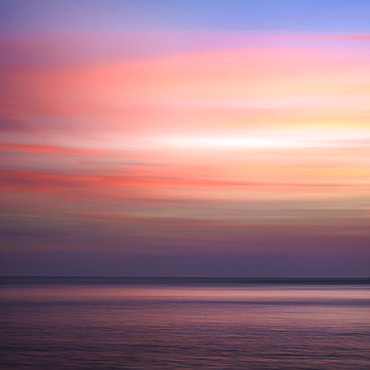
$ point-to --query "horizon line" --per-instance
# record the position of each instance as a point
(190, 277)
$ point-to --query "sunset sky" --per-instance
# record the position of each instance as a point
(185, 138)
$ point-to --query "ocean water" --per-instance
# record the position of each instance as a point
(133, 323)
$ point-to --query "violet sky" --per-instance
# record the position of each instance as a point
(185, 138)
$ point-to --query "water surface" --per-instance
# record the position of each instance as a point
(133, 323)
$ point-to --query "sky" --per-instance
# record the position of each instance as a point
(185, 138)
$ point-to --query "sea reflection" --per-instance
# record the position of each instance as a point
(169, 327)
(257, 294)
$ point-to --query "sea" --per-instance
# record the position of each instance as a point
(184, 323)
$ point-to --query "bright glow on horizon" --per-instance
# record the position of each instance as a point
(270, 139)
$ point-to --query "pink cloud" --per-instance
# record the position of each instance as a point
(233, 88)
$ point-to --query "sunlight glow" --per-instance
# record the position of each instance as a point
(270, 139)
